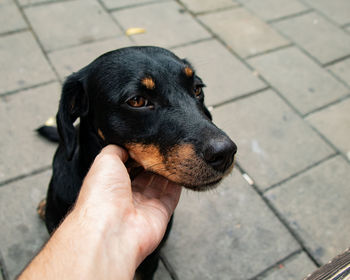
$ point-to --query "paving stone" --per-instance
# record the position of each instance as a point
(162, 273)
(177, 26)
(71, 23)
(112, 4)
(243, 32)
(22, 232)
(336, 10)
(302, 81)
(200, 6)
(224, 75)
(273, 142)
(10, 17)
(72, 59)
(296, 268)
(316, 206)
(228, 233)
(25, 64)
(334, 123)
(21, 149)
(31, 2)
(342, 70)
(320, 38)
(274, 9)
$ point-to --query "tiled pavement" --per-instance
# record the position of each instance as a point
(278, 77)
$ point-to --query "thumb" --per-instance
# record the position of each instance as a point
(107, 173)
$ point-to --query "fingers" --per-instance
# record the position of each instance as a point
(152, 186)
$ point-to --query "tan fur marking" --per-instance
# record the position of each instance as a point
(188, 71)
(41, 209)
(101, 134)
(148, 82)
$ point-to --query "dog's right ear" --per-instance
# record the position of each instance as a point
(74, 103)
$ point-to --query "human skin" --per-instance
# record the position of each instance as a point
(114, 225)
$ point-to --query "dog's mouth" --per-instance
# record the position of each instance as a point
(134, 169)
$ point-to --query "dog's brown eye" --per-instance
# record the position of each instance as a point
(197, 91)
(137, 101)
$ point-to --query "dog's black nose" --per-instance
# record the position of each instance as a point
(219, 154)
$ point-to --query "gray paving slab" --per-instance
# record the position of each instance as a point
(342, 70)
(274, 9)
(320, 38)
(224, 75)
(245, 33)
(201, 6)
(334, 123)
(71, 23)
(22, 232)
(10, 17)
(273, 141)
(32, 2)
(72, 59)
(298, 267)
(112, 4)
(162, 273)
(316, 206)
(337, 10)
(302, 81)
(22, 150)
(228, 233)
(178, 27)
(25, 63)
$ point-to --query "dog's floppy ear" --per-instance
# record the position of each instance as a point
(74, 103)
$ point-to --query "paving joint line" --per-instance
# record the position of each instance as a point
(8, 33)
(289, 45)
(198, 41)
(3, 270)
(103, 39)
(321, 14)
(327, 105)
(239, 5)
(44, 3)
(304, 51)
(114, 20)
(273, 267)
(288, 16)
(243, 96)
(25, 175)
(12, 92)
(36, 38)
(281, 219)
(301, 172)
(168, 267)
(132, 6)
(222, 42)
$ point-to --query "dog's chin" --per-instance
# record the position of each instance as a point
(203, 187)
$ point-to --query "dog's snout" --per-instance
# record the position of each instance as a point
(219, 154)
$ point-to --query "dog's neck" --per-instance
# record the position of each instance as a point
(89, 145)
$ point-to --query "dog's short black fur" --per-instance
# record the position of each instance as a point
(148, 101)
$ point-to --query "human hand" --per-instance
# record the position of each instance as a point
(138, 214)
(112, 226)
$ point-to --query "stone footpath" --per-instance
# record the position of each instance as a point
(278, 82)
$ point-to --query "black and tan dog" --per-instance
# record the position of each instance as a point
(148, 101)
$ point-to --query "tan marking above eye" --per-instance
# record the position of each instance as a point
(137, 101)
(188, 71)
(100, 134)
(148, 82)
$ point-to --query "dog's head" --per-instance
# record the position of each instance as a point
(150, 102)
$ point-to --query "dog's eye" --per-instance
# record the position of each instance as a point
(197, 91)
(137, 101)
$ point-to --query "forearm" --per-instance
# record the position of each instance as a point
(77, 252)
